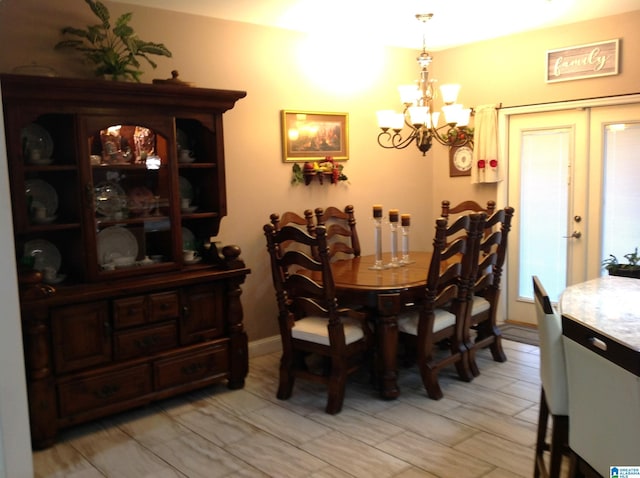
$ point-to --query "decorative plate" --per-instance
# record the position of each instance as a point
(44, 253)
(188, 240)
(34, 137)
(43, 194)
(186, 189)
(114, 242)
(110, 198)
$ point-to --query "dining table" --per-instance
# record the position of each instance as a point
(386, 292)
(601, 337)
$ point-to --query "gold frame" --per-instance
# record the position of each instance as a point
(313, 145)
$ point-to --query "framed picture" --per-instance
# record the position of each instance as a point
(312, 136)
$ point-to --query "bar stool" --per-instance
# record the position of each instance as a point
(554, 401)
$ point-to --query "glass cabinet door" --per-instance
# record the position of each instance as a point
(130, 191)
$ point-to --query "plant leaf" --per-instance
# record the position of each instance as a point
(100, 11)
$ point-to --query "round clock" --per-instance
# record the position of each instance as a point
(461, 160)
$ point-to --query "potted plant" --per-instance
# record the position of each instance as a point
(629, 269)
(113, 51)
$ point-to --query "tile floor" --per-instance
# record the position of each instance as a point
(485, 428)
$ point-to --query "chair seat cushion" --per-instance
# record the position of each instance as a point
(479, 305)
(408, 321)
(314, 329)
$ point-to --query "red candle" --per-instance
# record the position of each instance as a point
(405, 220)
(393, 215)
(377, 210)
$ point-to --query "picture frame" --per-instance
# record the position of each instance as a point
(312, 136)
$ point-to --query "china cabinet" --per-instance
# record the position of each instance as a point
(118, 190)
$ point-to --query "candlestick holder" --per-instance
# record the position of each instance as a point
(394, 244)
(378, 265)
(404, 260)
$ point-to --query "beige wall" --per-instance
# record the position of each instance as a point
(267, 63)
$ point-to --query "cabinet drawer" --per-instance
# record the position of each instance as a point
(165, 305)
(145, 341)
(191, 368)
(128, 312)
(86, 394)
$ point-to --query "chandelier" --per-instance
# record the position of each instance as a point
(418, 113)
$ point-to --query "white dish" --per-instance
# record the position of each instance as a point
(193, 261)
(110, 198)
(59, 278)
(43, 193)
(188, 240)
(116, 242)
(189, 209)
(44, 253)
(44, 220)
(186, 189)
(35, 137)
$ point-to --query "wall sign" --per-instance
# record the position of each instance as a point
(584, 61)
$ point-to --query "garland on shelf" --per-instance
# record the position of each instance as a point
(327, 167)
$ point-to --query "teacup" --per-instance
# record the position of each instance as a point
(39, 212)
(49, 274)
(185, 203)
(186, 156)
(189, 256)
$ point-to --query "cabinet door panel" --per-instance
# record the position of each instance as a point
(129, 311)
(81, 336)
(202, 314)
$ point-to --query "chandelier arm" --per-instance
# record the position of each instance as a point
(393, 141)
(455, 137)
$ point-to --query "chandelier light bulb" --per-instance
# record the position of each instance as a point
(449, 93)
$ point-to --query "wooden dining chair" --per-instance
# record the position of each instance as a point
(466, 207)
(554, 401)
(289, 218)
(441, 313)
(342, 235)
(485, 293)
(310, 321)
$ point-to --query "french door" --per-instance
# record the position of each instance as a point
(573, 177)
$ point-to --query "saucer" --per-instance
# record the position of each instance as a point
(44, 220)
(193, 261)
(40, 161)
(189, 209)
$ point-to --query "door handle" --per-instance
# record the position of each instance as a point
(574, 235)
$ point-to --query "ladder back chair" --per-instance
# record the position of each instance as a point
(440, 315)
(290, 218)
(310, 321)
(554, 401)
(342, 235)
(485, 291)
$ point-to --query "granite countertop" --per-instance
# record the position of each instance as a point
(610, 305)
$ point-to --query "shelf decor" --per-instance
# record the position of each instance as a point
(326, 169)
(114, 52)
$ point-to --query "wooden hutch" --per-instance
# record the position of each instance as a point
(110, 182)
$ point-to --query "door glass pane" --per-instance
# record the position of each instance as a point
(621, 230)
(544, 199)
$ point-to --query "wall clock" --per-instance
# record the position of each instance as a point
(460, 160)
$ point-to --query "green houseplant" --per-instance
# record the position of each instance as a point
(113, 51)
(629, 269)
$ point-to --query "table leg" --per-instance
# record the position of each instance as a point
(387, 336)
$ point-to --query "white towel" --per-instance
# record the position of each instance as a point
(485, 167)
